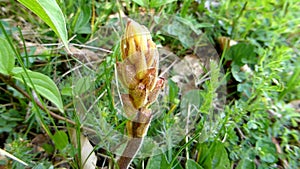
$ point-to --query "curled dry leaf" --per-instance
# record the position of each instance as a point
(38, 142)
(88, 156)
(295, 104)
(226, 42)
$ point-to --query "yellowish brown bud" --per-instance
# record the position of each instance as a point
(137, 47)
(138, 71)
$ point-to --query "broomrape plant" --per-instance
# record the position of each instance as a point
(138, 73)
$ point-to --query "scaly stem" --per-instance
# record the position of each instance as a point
(136, 131)
(131, 149)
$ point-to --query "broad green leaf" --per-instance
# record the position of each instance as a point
(242, 54)
(214, 157)
(60, 140)
(191, 164)
(42, 83)
(158, 161)
(238, 74)
(7, 58)
(205, 155)
(220, 158)
(143, 3)
(48, 148)
(267, 150)
(154, 162)
(245, 88)
(51, 14)
(246, 164)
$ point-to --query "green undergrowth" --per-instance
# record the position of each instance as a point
(247, 101)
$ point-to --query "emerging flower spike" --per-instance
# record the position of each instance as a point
(138, 71)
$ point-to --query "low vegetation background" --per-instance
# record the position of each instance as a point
(52, 53)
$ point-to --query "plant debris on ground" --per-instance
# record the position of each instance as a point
(237, 92)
